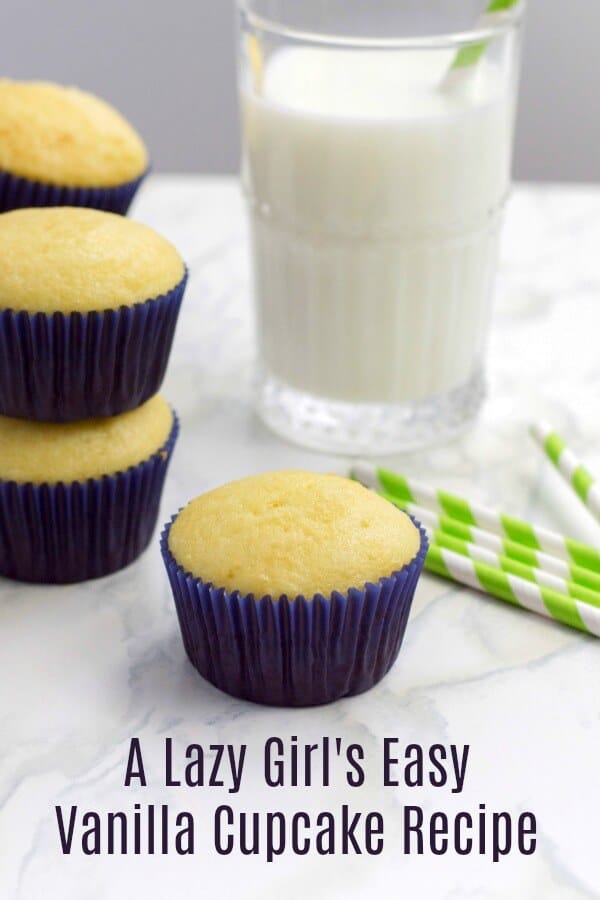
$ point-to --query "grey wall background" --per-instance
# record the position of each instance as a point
(169, 66)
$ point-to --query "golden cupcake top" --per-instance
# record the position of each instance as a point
(40, 452)
(64, 259)
(292, 533)
(64, 136)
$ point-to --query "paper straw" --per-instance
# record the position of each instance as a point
(512, 567)
(469, 56)
(512, 589)
(532, 536)
(502, 546)
(570, 467)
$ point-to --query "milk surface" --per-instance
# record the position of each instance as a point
(375, 200)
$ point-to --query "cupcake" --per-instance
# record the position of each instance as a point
(63, 147)
(80, 500)
(88, 307)
(292, 588)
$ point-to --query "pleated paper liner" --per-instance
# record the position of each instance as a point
(62, 367)
(17, 192)
(65, 533)
(293, 652)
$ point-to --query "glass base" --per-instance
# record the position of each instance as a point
(367, 428)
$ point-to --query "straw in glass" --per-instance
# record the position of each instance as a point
(469, 56)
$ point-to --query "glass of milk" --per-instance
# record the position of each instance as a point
(376, 170)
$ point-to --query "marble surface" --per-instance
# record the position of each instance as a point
(85, 668)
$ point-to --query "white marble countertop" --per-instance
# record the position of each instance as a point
(83, 669)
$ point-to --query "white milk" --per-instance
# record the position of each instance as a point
(375, 202)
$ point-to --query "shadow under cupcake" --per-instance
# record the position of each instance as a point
(292, 588)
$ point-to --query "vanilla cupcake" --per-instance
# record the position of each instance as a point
(89, 302)
(293, 588)
(80, 500)
(61, 146)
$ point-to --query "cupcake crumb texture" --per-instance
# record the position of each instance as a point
(66, 259)
(293, 533)
(39, 452)
(65, 136)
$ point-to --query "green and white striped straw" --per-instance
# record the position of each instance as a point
(512, 567)
(512, 589)
(570, 467)
(534, 559)
(469, 56)
(532, 536)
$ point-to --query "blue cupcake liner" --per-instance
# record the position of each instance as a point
(293, 652)
(17, 192)
(65, 533)
(62, 367)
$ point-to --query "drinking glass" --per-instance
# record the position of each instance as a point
(377, 145)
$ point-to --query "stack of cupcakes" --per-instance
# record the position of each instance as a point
(89, 301)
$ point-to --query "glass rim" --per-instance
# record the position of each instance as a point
(506, 21)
